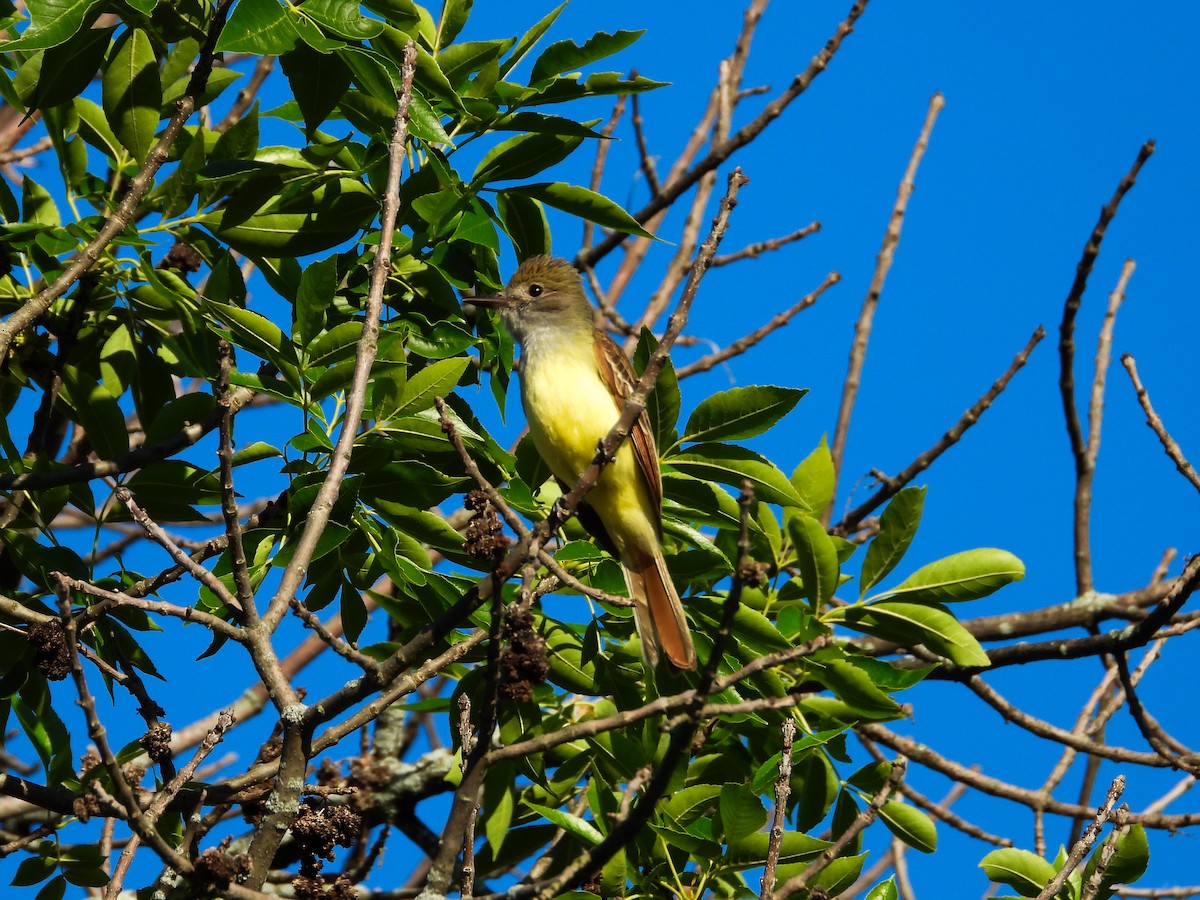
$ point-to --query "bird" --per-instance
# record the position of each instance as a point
(574, 384)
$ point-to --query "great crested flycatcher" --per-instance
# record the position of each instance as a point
(574, 381)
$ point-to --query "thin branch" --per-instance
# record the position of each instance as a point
(1107, 850)
(783, 789)
(1085, 464)
(12, 156)
(126, 462)
(645, 160)
(322, 507)
(742, 344)
(246, 95)
(931, 759)
(602, 147)
(1074, 739)
(297, 721)
(143, 825)
(160, 537)
(676, 187)
(1156, 424)
(1081, 847)
(861, 821)
(883, 264)
(755, 250)
(1171, 750)
(1066, 349)
(891, 486)
(229, 507)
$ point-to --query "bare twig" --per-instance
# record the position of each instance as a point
(645, 160)
(783, 789)
(675, 187)
(1107, 850)
(1156, 424)
(1066, 349)
(297, 725)
(1081, 847)
(755, 250)
(741, 345)
(1085, 464)
(160, 537)
(861, 821)
(883, 264)
(229, 507)
(891, 486)
(602, 147)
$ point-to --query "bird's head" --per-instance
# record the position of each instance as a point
(544, 294)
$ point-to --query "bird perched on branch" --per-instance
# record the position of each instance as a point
(574, 382)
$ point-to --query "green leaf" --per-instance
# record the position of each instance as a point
(33, 870)
(454, 17)
(814, 478)
(701, 501)
(530, 38)
(68, 68)
(318, 81)
(527, 120)
(298, 223)
(254, 452)
(579, 201)
(742, 813)
(523, 156)
(37, 206)
(256, 333)
(583, 830)
(524, 221)
(499, 816)
(52, 22)
(132, 93)
(459, 61)
(897, 526)
(841, 872)
(816, 557)
(963, 576)
(337, 344)
(437, 379)
(97, 411)
(884, 891)
(94, 128)
(563, 56)
(314, 297)
(854, 687)
(739, 413)
(1020, 869)
(910, 824)
(915, 623)
(662, 406)
(729, 464)
(342, 17)
(258, 27)
(750, 852)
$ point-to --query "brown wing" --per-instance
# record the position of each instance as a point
(618, 375)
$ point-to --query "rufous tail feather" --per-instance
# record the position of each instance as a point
(657, 611)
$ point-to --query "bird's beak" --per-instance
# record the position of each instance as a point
(498, 301)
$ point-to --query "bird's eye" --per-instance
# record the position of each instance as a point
(535, 290)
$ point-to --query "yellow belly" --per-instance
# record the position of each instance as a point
(570, 410)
